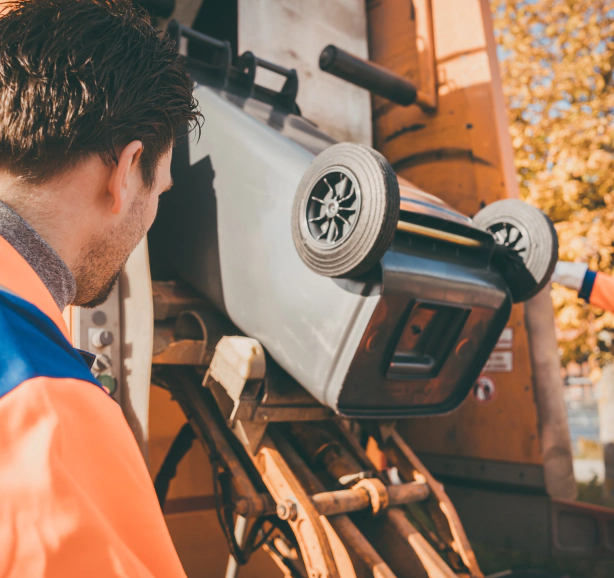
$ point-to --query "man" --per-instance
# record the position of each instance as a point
(594, 287)
(90, 99)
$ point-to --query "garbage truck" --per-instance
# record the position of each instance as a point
(331, 330)
(346, 292)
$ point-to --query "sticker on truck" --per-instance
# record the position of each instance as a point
(500, 361)
(484, 390)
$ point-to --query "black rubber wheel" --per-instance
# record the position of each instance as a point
(528, 245)
(346, 211)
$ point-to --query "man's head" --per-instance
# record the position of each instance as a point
(91, 97)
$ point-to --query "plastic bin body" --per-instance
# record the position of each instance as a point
(226, 229)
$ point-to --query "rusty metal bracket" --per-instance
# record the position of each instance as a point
(352, 539)
(433, 564)
(328, 541)
(295, 506)
(369, 493)
(409, 464)
(253, 391)
(199, 407)
(376, 491)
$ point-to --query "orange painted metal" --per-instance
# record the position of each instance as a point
(461, 153)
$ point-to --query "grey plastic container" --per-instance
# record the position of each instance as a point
(226, 229)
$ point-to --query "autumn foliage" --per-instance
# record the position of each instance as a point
(557, 60)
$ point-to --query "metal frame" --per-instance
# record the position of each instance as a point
(270, 477)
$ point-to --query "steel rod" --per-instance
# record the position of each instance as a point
(408, 493)
(341, 501)
(353, 500)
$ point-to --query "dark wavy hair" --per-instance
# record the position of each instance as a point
(79, 77)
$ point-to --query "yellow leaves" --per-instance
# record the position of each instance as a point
(600, 160)
(560, 96)
(570, 191)
(576, 166)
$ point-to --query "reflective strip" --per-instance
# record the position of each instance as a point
(587, 285)
(436, 234)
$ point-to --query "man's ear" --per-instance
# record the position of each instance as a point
(125, 174)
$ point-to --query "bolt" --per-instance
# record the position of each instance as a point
(242, 507)
(286, 510)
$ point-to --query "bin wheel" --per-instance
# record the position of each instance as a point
(345, 211)
(527, 245)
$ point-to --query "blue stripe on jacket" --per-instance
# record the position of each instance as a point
(31, 345)
(587, 285)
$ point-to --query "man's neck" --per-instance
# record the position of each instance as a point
(39, 255)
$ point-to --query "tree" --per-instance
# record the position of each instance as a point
(557, 60)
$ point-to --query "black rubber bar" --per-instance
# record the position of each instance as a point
(369, 75)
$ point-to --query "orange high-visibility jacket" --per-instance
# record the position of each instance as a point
(598, 290)
(76, 498)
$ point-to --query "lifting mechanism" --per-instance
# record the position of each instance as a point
(291, 476)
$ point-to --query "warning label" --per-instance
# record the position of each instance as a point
(484, 389)
(506, 341)
(500, 361)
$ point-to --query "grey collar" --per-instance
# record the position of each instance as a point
(40, 256)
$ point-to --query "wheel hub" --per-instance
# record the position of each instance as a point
(511, 236)
(333, 208)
